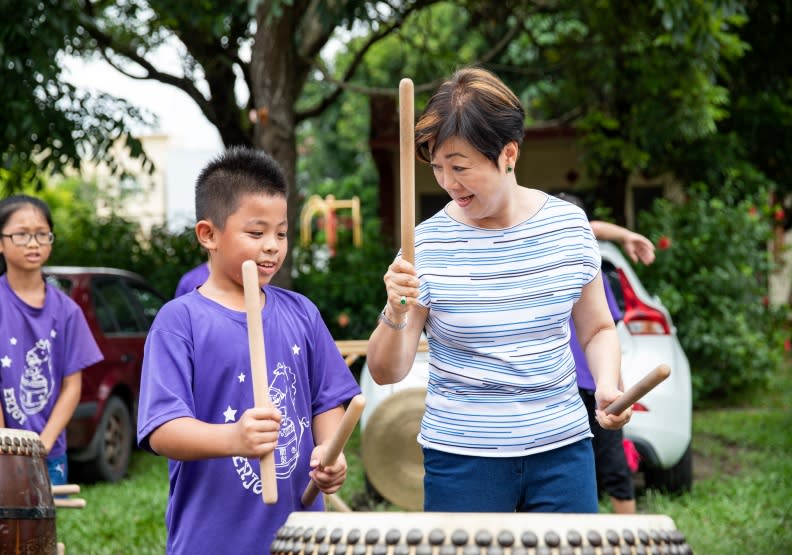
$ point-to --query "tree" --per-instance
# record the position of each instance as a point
(638, 79)
(47, 125)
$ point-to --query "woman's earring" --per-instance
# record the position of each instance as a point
(509, 169)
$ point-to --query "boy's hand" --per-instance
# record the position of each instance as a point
(256, 433)
(328, 478)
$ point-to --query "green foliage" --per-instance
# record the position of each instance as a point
(87, 239)
(347, 287)
(711, 276)
(46, 124)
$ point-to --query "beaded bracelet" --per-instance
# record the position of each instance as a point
(388, 322)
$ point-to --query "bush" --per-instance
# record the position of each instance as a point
(711, 269)
(86, 239)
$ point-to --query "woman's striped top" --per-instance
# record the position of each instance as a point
(502, 376)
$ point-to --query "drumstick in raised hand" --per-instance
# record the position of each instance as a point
(258, 369)
(646, 384)
(337, 442)
(407, 168)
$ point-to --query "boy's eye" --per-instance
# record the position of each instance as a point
(282, 235)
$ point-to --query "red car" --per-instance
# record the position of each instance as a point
(119, 307)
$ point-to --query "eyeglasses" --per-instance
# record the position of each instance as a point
(23, 238)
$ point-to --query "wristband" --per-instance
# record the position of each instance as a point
(388, 322)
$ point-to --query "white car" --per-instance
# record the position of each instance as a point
(661, 425)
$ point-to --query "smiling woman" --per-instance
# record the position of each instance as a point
(497, 274)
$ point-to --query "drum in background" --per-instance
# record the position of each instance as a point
(27, 509)
(386, 533)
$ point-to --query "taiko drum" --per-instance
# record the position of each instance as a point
(27, 508)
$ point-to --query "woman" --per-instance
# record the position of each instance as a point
(497, 274)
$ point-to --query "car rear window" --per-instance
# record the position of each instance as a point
(61, 283)
(114, 309)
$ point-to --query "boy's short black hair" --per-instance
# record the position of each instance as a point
(236, 172)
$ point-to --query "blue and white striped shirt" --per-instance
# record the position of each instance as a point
(502, 376)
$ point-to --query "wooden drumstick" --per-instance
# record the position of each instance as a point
(75, 503)
(337, 442)
(258, 369)
(407, 168)
(646, 384)
(65, 489)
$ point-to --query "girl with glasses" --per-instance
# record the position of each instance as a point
(45, 341)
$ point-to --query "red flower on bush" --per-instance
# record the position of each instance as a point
(664, 243)
(752, 211)
(788, 344)
(779, 215)
(343, 320)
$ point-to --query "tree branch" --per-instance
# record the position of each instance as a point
(106, 42)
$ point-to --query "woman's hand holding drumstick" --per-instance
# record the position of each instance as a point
(258, 369)
(638, 390)
(336, 445)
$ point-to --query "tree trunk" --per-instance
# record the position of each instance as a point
(611, 191)
(278, 75)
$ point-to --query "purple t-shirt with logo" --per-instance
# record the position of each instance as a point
(584, 378)
(197, 365)
(38, 348)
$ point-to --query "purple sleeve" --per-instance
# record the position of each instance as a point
(612, 304)
(80, 348)
(166, 378)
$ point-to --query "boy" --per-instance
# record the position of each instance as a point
(196, 399)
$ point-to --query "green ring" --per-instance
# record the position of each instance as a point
(403, 300)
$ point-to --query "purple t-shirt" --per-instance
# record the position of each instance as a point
(38, 348)
(192, 279)
(584, 378)
(197, 365)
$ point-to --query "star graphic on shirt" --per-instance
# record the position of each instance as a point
(6, 362)
(241, 377)
(295, 349)
(230, 414)
(59, 468)
(13, 340)
(53, 334)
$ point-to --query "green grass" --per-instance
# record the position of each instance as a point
(741, 500)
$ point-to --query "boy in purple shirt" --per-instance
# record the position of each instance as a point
(196, 398)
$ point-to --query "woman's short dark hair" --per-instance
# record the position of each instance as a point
(473, 105)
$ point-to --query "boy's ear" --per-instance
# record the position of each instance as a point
(206, 233)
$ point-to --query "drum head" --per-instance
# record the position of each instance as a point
(392, 456)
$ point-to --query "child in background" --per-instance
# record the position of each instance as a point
(196, 398)
(192, 279)
(45, 341)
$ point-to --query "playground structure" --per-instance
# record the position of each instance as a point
(326, 207)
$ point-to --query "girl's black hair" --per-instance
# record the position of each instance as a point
(9, 206)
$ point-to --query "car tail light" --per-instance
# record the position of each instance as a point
(638, 407)
(640, 318)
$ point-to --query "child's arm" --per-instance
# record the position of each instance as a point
(328, 478)
(69, 397)
(635, 245)
(187, 439)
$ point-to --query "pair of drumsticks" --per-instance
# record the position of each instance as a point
(258, 367)
(352, 414)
